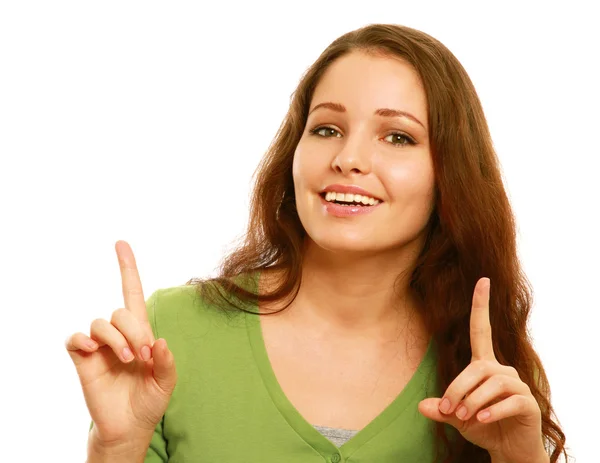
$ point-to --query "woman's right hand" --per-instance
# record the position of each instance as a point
(126, 396)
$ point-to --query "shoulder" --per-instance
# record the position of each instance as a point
(166, 306)
(185, 310)
(197, 332)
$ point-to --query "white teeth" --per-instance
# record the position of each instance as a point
(350, 198)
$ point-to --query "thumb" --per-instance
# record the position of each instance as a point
(163, 369)
(430, 408)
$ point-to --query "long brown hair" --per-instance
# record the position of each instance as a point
(471, 232)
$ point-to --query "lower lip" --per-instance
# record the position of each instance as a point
(347, 211)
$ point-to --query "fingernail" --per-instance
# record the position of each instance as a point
(445, 406)
(127, 354)
(146, 353)
(484, 415)
(461, 412)
(91, 344)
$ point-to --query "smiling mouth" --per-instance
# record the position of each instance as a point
(349, 199)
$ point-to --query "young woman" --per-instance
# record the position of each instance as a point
(377, 310)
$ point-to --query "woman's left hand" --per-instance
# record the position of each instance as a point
(487, 402)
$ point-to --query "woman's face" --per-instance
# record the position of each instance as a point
(360, 142)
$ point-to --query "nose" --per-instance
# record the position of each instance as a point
(354, 157)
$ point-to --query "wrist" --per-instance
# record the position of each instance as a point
(541, 457)
(132, 451)
(111, 455)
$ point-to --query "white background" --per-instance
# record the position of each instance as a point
(144, 121)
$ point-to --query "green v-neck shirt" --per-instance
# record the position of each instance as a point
(229, 407)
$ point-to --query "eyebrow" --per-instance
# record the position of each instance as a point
(385, 112)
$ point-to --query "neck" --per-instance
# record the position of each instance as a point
(367, 295)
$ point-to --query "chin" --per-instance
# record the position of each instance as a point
(343, 244)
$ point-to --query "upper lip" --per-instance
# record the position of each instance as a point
(349, 189)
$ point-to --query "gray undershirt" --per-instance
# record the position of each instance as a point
(338, 436)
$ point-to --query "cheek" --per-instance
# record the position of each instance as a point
(410, 179)
(303, 165)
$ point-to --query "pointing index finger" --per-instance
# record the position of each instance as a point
(133, 294)
(481, 329)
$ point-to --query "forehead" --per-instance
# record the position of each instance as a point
(363, 83)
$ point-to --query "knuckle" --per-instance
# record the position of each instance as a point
(450, 394)
(512, 371)
(481, 366)
(118, 315)
(96, 324)
(500, 382)
(535, 405)
(69, 341)
(134, 291)
(482, 331)
(522, 403)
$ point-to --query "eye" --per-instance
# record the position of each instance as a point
(325, 130)
(400, 136)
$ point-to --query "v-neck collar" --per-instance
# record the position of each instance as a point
(303, 428)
